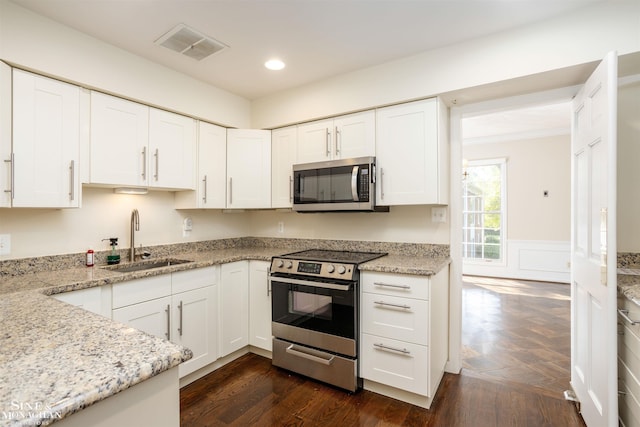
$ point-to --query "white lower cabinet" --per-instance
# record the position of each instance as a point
(404, 341)
(628, 365)
(259, 305)
(234, 307)
(96, 300)
(181, 307)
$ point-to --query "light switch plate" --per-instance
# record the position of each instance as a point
(438, 214)
(5, 244)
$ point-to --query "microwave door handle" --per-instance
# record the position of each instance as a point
(354, 183)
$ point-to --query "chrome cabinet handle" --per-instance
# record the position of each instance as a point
(387, 348)
(389, 285)
(168, 311)
(290, 188)
(72, 172)
(311, 357)
(388, 304)
(180, 324)
(328, 148)
(625, 315)
(204, 196)
(157, 156)
(144, 162)
(381, 184)
(230, 190)
(338, 133)
(11, 185)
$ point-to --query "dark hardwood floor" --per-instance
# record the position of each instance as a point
(515, 370)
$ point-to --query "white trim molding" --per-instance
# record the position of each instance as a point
(543, 260)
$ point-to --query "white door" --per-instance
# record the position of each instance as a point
(259, 305)
(284, 153)
(593, 247)
(248, 168)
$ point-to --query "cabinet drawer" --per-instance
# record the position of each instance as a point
(139, 290)
(395, 363)
(394, 284)
(401, 318)
(187, 280)
(628, 346)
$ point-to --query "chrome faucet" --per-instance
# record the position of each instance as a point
(135, 226)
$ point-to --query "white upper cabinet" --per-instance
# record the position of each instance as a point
(284, 149)
(248, 168)
(172, 150)
(119, 141)
(45, 144)
(135, 145)
(412, 154)
(5, 135)
(211, 189)
(343, 137)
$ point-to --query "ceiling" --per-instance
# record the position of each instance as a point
(317, 39)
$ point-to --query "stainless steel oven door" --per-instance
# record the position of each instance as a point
(317, 313)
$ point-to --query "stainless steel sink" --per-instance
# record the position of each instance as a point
(145, 265)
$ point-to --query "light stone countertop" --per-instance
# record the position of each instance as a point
(629, 284)
(66, 358)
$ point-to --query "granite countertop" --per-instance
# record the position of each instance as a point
(629, 284)
(64, 358)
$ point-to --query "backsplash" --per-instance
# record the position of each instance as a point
(20, 266)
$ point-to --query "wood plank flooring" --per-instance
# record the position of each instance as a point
(497, 386)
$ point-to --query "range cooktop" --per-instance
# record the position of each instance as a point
(324, 255)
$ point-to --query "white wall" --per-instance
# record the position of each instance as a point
(581, 37)
(37, 232)
(40, 44)
(628, 167)
(401, 224)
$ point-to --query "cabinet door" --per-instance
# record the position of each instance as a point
(234, 307)
(46, 142)
(211, 187)
(5, 135)
(283, 155)
(151, 316)
(355, 135)
(96, 300)
(195, 326)
(248, 168)
(172, 150)
(259, 305)
(119, 141)
(407, 154)
(315, 141)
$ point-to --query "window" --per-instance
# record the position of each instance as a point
(483, 209)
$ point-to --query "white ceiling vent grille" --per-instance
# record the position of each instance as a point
(189, 42)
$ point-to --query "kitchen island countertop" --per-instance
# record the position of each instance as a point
(62, 358)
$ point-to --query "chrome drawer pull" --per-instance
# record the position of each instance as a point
(398, 350)
(310, 357)
(168, 311)
(389, 285)
(406, 307)
(625, 315)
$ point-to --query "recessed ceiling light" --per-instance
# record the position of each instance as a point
(274, 64)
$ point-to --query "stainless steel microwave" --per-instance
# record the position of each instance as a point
(335, 186)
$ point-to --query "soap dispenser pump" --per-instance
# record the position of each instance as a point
(113, 257)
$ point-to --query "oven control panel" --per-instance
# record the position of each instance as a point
(313, 268)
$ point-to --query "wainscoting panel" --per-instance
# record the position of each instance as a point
(529, 260)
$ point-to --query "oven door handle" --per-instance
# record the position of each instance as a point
(336, 286)
(303, 354)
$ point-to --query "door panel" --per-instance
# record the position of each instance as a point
(593, 254)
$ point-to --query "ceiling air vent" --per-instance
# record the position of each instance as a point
(189, 42)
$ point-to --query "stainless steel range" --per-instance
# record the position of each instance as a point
(315, 314)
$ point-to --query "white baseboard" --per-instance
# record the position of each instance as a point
(528, 260)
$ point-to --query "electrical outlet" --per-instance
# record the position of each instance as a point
(438, 214)
(5, 244)
(281, 227)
